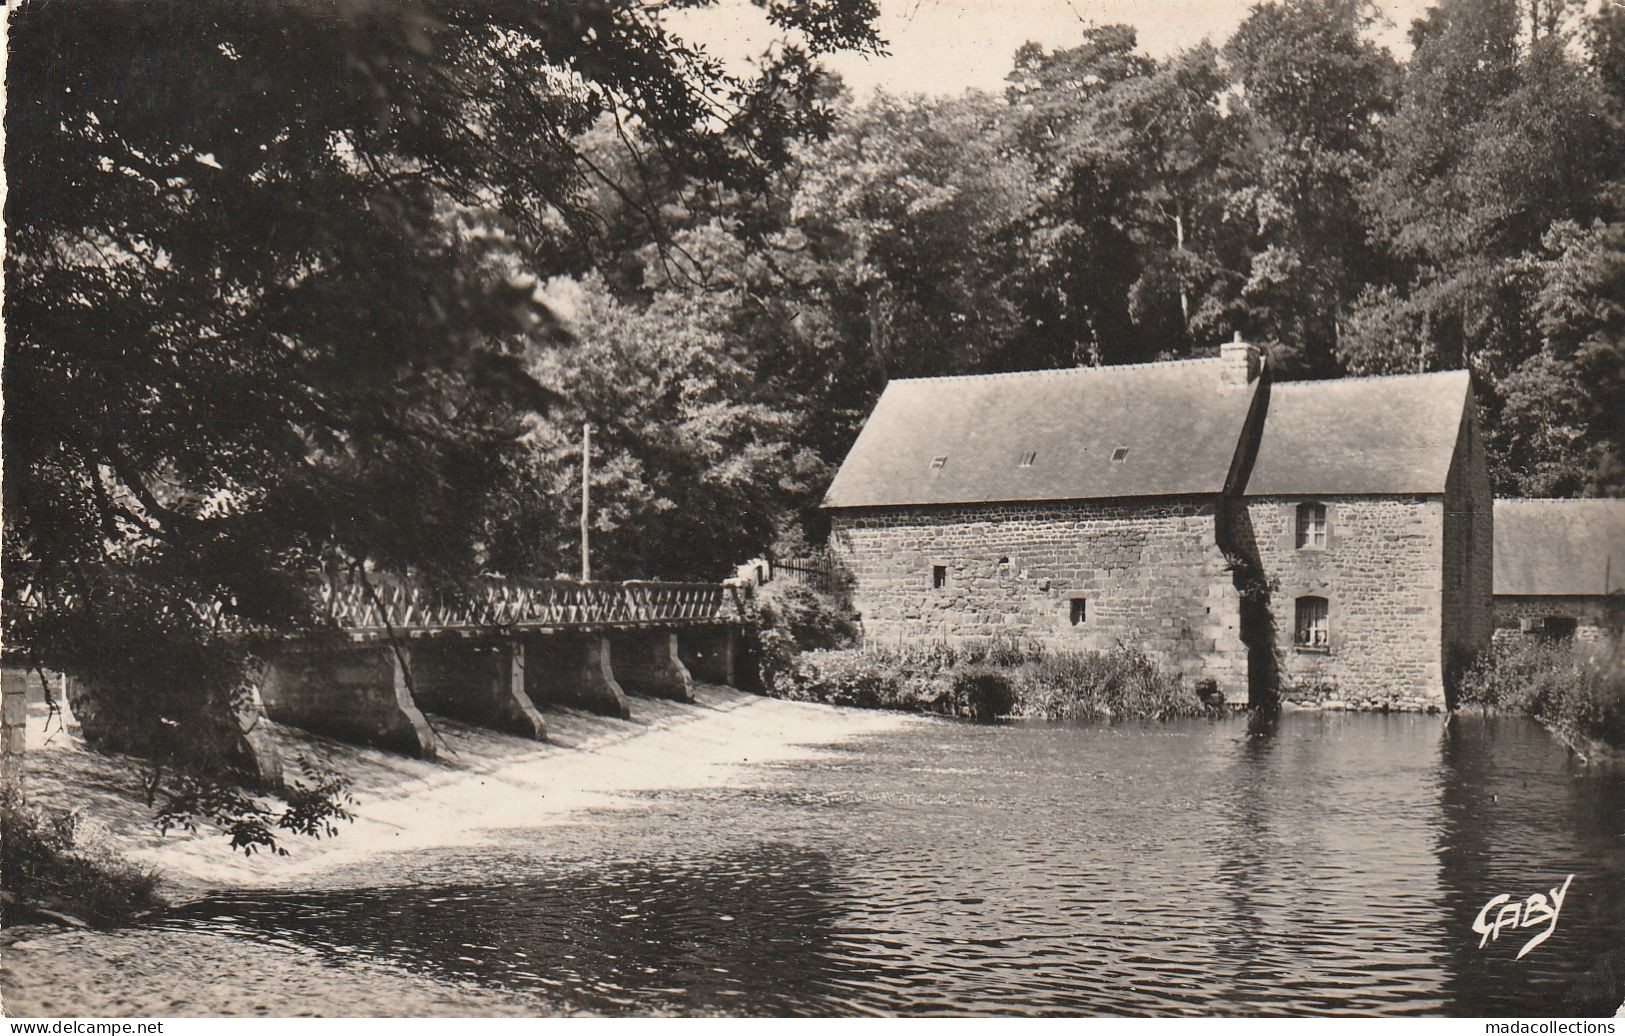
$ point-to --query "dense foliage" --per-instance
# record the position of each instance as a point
(1353, 211)
(271, 305)
(1577, 687)
(987, 681)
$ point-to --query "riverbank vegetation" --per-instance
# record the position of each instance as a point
(984, 681)
(49, 873)
(805, 645)
(993, 680)
(1576, 687)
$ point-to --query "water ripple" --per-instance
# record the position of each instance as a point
(1328, 865)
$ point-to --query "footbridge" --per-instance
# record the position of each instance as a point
(492, 653)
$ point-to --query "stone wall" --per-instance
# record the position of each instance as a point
(1595, 616)
(1381, 575)
(14, 694)
(1469, 549)
(1147, 573)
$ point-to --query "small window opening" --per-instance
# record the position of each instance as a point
(1119, 455)
(1313, 631)
(1311, 525)
(939, 576)
(938, 461)
(1027, 459)
(1080, 611)
(1558, 627)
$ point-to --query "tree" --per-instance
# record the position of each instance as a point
(1047, 91)
(1499, 151)
(1312, 93)
(693, 464)
(1560, 424)
(1165, 137)
(1122, 253)
(261, 296)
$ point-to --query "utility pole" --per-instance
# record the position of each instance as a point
(586, 507)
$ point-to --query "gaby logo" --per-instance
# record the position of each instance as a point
(1533, 912)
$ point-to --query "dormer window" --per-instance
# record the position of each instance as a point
(1120, 455)
(939, 461)
(1027, 459)
(1311, 526)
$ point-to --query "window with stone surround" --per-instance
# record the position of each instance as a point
(1311, 526)
(939, 576)
(1313, 628)
(1078, 610)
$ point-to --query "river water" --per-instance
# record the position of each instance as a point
(1319, 863)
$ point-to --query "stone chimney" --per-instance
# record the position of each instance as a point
(1242, 363)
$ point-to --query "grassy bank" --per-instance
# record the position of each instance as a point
(1577, 688)
(50, 874)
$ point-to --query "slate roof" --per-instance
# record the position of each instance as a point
(1179, 425)
(1559, 547)
(1393, 434)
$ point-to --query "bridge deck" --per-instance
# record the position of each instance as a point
(383, 607)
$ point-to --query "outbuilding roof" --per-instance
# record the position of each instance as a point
(1559, 547)
(1155, 429)
(1392, 434)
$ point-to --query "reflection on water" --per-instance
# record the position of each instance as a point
(1318, 863)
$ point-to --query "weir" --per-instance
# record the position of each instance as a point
(568, 670)
(647, 662)
(482, 682)
(710, 654)
(358, 692)
(497, 653)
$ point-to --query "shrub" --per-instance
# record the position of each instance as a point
(815, 620)
(993, 679)
(1579, 686)
(987, 693)
(790, 619)
(44, 866)
(1122, 682)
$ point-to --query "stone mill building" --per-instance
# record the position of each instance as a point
(1559, 568)
(1320, 541)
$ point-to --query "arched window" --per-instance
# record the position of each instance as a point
(1313, 629)
(1311, 525)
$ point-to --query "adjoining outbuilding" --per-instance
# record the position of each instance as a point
(1324, 541)
(1559, 568)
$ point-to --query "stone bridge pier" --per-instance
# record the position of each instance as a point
(710, 653)
(564, 669)
(360, 693)
(375, 692)
(647, 662)
(480, 681)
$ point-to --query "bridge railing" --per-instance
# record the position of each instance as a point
(385, 605)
